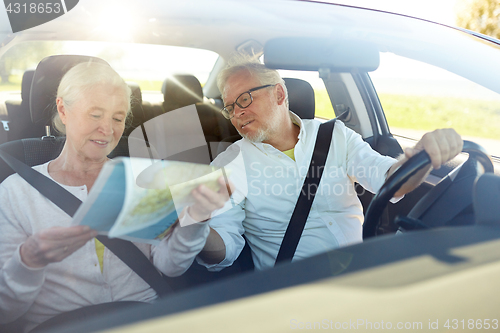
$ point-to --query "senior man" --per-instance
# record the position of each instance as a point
(277, 147)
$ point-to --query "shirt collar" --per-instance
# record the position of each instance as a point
(297, 121)
(264, 147)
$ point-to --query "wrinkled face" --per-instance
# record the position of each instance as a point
(260, 121)
(95, 123)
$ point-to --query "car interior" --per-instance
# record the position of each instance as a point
(35, 110)
(33, 141)
(458, 194)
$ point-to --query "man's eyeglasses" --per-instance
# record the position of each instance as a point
(243, 101)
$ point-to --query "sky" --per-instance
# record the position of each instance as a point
(441, 11)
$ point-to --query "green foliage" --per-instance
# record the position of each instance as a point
(468, 117)
(481, 16)
(14, 84)
(324, 107)
(147, 84)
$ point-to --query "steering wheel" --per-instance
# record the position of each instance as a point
(400, 176)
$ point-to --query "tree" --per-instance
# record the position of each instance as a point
(25, 55)
(482, 16)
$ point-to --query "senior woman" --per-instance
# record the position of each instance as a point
(49, 267)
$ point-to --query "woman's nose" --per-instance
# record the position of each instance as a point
(106, 126)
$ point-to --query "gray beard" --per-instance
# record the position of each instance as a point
(264, 134)
(258, 137)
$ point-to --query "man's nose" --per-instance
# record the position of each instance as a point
(238, 111)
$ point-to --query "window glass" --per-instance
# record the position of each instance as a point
(418, 97)
(323, 104)
(147, 65)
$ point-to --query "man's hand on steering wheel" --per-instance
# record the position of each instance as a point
(408, 171)
(441, 145)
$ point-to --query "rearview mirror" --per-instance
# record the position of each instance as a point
(311, 54)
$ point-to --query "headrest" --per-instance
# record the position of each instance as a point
(485, 199)
(48, 74)
(138, 116)
(300, 97)
(181, 90)
(136, 92)
(26, 85)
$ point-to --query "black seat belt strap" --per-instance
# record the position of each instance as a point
(138, 262)
(62, 198)
(307, 194)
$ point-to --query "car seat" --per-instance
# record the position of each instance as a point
(184, 89)
(19, 115)
(181, 90)
(138, 115)
(485, 199)
(300, 98)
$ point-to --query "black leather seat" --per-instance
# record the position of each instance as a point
(486, 194)
(300, 98)
(19, 115)
(181, 90)
(138, 113)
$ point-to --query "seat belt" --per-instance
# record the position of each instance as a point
(62, 198)
(304, 202)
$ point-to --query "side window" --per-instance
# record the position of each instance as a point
(323, 104)
(418, 97)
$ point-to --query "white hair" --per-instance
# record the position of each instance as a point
(80, 79)
(241, 62)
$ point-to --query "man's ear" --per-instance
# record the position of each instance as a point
(61, 109)
(280, 94)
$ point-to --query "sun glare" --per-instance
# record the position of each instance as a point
(116, 24)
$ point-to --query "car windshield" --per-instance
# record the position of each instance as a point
(146, 65)
(414, 61)
(208, 200)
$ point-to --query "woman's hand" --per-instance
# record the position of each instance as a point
(207, 200)
(54, 244)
